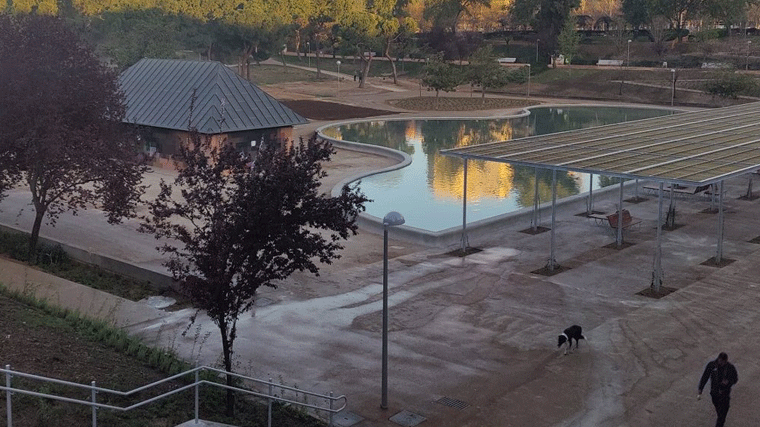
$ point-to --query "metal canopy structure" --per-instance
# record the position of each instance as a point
(690, 148)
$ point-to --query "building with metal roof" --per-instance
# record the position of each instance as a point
(159, 94)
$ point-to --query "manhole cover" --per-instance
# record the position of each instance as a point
(346, 419)
(454, 403)
(407, 419)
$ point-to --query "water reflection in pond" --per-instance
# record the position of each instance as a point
(429, 191)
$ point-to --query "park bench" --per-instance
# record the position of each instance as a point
(611, 219)
(506, 60)
(628, 220)
(610, 62)
(715, 65)
(678, 190)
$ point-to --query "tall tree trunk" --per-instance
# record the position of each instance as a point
(365, 70)
(393, 64)
(35, 237)
(245, 60)
(316, 58)
(227, 353)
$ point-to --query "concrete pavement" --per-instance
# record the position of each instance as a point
(481, 330)
(472, 340)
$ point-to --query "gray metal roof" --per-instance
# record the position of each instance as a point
(158, 93)
(690, 148)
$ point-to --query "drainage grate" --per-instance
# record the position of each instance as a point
(454, 403)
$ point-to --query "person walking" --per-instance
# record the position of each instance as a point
(722, 376)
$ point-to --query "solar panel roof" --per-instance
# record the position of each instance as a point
(691, 148)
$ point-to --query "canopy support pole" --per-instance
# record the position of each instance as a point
(749, 187)
(636, 191)
(534, 218)
(671, 218)
(719, 252)
(657, 273)
(620, 217)
(465, 242)
(590, 204)
(713, 190)
(552, 259)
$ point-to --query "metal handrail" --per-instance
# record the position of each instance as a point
(94, 389)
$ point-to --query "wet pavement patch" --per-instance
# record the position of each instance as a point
(160, 302)
(407, 419)
(263, 302)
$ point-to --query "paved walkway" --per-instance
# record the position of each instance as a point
(480, 332)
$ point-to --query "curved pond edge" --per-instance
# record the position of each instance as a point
(481, 229)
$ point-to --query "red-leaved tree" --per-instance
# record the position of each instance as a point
(244, 225)
(61, 130)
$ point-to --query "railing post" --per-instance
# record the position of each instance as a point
(331, 409)
(8, 406)
(197, 385)
(94, 408)
(269, 404)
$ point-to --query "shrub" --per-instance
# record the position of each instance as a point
(730, 84)
(711, 34)
(15, 245)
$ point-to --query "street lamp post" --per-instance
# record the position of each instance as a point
(746, 65)
(628, 55)
(528, 80)
(392, 219)
(673, 92)
(338, 64)
(537, 40)
(308, 54)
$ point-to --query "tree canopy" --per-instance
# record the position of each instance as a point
(61, 130)
(439, 75)
(486, 72)
(568, 39)
(677, 12)
(547, 17)
(241, 225)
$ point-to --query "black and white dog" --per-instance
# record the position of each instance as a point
(574, 332)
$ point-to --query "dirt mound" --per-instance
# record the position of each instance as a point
(323, 110)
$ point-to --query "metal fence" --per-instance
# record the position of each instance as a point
(266, 390)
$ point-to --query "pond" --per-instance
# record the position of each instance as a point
(429, 191)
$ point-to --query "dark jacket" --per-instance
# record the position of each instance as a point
(716, 374)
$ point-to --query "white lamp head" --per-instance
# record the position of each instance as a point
(393, 219)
